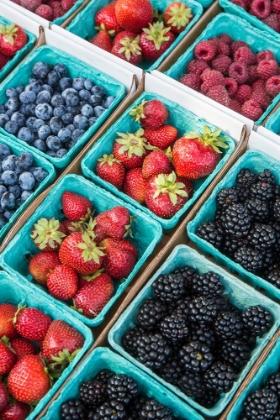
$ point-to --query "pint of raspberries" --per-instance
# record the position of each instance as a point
(47, 9)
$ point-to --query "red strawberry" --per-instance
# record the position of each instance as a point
(4, 397)
(196, 155)
(28, 382)
(41, 265)
(131, 148)
(134, 15)
(102, 40)
(161, 137)
(111, 170)
(16, 411)
(62, 282)
(84, 280)
(114, 222)
(126, 46)
(135, 185)
(177, 15)
(7, 313)
(166, 194)
(123, 243)
(12, 39)
(150, 114)
(45, 11)
(105, 19)
(155, 40)
(7, 357)
(71, 227)
(31, 323)
(81, 252)
(119, 260)
(156, 163)
(22, 347)
(75, 206)
(91, 298)
(3, 60)
(48, 234)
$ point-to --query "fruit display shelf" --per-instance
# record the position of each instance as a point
(146, 234)
(15, 292)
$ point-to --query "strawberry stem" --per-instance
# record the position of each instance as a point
(166, 184)
(209, 138)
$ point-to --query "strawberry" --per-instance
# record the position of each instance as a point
(102, 40)
(7, 357)
(161, 137)
(4, 397)
(156, 163)
(3, 60)
(81, 252)
(22, 347)
(155, 40)
(84, 280)
(120, 259)
(7, 313)
(126, 46)
(150, 114)
(91, 298)
(31, 323)
(75, 206)
(123, 243)
(115, 222)
(134, 15)
(12, 39)
(111, 170)
(41, 265)
(48, 234)
(28, 381)
(105, 19)
(71, 227)
(177, 15)
(135, 185)
(62, 282)
(15, 411)
(166, 194)
(196, 155)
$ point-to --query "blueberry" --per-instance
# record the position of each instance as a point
(77, 133)
(22, 109)
(72, 99)
(53, 143)
(12, 93)
(106, 103)
(95, 100)
(25, 134)
(43, 97)
(4, 151)
(61, 69)
(51, 153)
(3, 221)
(71, 127)
(81, 122)
(9, 113)
(75, 110)
(40, 145)
(65, 83)
(15, 189)
(98, 110)
(88, 84)
(87, 111)
(9, 163)
(26, 181)
(81, 104)
(44, 111)
(35, 87)
(53, 78)
(48, 88)
(11, 127)
(19, 89)
(68, 90)
(64, 134)
(40, 70)
(27, 97)
(13, 104)
(92, 121)
(8, 201)
(37, 124)
(25, 195)
(24, 161)
(9, 213)
(9, 178)
(55, 124)
(70, 144)
(57, 100)
(78, 83)
(44, 132)
(59, 111)
(2, 109)
(39, 174)
(19, 118)
(30, 122)
(67, 118)
(3, 119)
(61, 152)
(3, 189)
(32, 79)
(84, 95)
(98, 90)
(30, 109)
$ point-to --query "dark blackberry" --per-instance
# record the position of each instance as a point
(129, 339)
(261, 236)
(192, 385)
(205, 310)
(73, 410)
(268, 259)
(276, 227)
(220, 377)
(204, 334)
(208, 399)
(195, 357)
(266, 176)
(153, 410)
(246, 177)
(261, 405)
(250, 259)
(237, 220)
(273, 383)
(276, 209)
(226, 197)
(171, 371)
(183, 306)
(262, 191)
(248, 338)
(243, 193)
(228, 326)
(135, 406)
(243, 416)
(257, 319)
(151, 312)
(187, 273)
(232, 244)
(169, 288)
(277, 190)
(236, 353)
(104, 375)
(258, 209)
(110, 410)
(210, 233)
(93, 393)
(174, 327)
(207, 284)
(274, 277)
(153, 350)
(121, 388)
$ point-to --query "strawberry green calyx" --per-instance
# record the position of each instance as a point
(130, 47)
(20, 308)
(210, 138)
(102, 27)
(181, 15)
(133, 143)
(128, 227)
(46, 232)
(93, 276)
(9, 32)
(138, 111)
(157, 15)
(90, 249)
(61, 361)
(109, 159)
(166, 184)
(156, 33)
(89, 228)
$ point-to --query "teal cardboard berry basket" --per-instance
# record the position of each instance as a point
(146, 234)
(256, 162)
(31, 40)
(103, 358)
(238, 294)
(83, 24)
(185, 121)
(51, 55)
(273, 122)
(15, 292)
(239, 30)
(17, 149)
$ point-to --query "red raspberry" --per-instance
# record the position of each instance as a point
(191, 80)
(45, 12)
(240, 3)
(197, 66)
(54, 4)
(226, 39)
(260, 8)
(275, 6)
(245, 55)
(243, 93)
(237, 44)
(223, 48)
(215, 41)
(273, 22)
(16, 1)
(252, 74)
(205, 50)
(261, 97)
(221, 63)
(234, 105)
(30, 4)
(251, 109)
(265, 55)
(58, 12)
(267, 68)
(231, 86)
(238, 71)
(219, 94)
(260, 83)
(211, 78)
(3, 60)
(67, 4)
(272, 85)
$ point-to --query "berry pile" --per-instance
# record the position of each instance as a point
(189, 334)
(53, 111)
(246, 226)
(145, 168)
(81, 255)
(266, 10)
(232, 74)
(47, 9)
(12, 39)
(140, 32)
(18, 180)
(113, 396)
(32, 347)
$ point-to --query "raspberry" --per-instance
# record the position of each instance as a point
(240, 3)
(273, 22)
(252, 74)
(215, 41)
(211, 78)
(243, 93)
(58, 12)
(272, 85)
(223, 48)
(245, 55)
(54, 4)
(237, 44)
(260, 8)
(275, 6)
(226, 39)
(30, 4)
(231, 86)
(191, 80)
(67, 4)
(267, 68)
(45, 12)
(205, 50)
(197, 66)
(258, 84)
(219, 94)
(261, 97)
(251, 109)
(234, 105)
(265, 55)
(238, 71)
(221, 63)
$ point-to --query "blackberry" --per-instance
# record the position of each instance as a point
(73, 410)
(277, 190)
(153, 410)
(243, 193)
(187, 273)
(135, 406)
(232, 244)
(104, 375)
(276, 227)
(246, 177)
(236, 353)
(93, 393)
(204, 334)
(248, 338)
(129, 339)
(169, 288)
(268, 259)
(220, 377)
(174, 327)
(261, 405)
(110, 410)
(237, 220)
(121, 388)
(273, 277)
(276, 209)
(183, 306)
(192, 385)
(195, 357)
(250, 259)
(208, 399)
(266, 176)
(210, 233)
(153, 350)
(205, 310)
(207, 284)
(228, 326)
(151, 312)
(257, 319)
(258, 209)
(262, 191)
(171, 371)
(273, 383)
(226, 197)
(262, 236)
